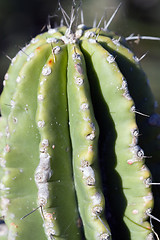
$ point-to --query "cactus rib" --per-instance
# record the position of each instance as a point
(53, 175)
(129, 163)
(21, 152)
(84, 136)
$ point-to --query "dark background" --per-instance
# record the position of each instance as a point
(22, 20)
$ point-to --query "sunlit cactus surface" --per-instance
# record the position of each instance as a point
(76, 112)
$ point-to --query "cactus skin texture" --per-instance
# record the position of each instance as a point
(69, 139)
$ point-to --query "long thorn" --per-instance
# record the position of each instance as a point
(49, 23)
(142, 114)
(111, 18)
(148, 212)
(72, 18)
(77, 12)
(135, 111)
(104, 225)
(61, 23)
(142, 56)
(95, 21)
(153, 183)
(153, 229)
(43, 28)
(105, 17)
(65, 16)
(7, 56)
(30, 212)
(23, 51)
(100, 22)
(131, 37)
(82, 17)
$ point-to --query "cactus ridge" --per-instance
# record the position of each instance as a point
(53, 175)
(144, 101)
(68, 109)
(129, 155)
(84, 136)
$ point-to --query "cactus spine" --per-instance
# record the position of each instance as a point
(68, 133)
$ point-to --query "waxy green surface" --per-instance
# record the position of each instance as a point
(110, 80)
(84, 136)
(68, 143)
(61, 209)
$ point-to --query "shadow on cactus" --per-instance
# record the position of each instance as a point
(76, 111)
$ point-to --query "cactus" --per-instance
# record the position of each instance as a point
(73, 106)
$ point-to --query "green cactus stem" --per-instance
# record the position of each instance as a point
(53, 175)
(129, 155)
(84, 136)
(71, 166)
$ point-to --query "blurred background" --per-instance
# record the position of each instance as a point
(22, 20)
